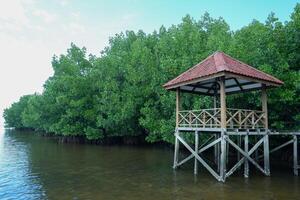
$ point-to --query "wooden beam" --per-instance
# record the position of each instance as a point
(264, 104)
(229, 74)
(195, 92)
(239, 84)
(223, 102)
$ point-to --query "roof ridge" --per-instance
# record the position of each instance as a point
(220, 63)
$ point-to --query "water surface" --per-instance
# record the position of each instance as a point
(36, 167)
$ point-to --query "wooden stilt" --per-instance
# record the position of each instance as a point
(246, 165)
(223, 157)
(217, 154)
(239, 141)
(216, 150)
(227, 153)
(266, 154)
(196, 150)
(256, 151)
(176, 151)
(295, 147)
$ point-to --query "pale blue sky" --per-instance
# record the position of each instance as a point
(31, 31)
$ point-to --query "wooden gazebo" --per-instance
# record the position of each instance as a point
(217, 76)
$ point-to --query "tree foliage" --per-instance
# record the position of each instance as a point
(120, 92)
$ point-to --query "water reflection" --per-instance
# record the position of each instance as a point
(34, 167)
(16, 179)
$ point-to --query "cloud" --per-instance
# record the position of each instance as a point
(13, 15)
(45, 16)
(64, 3)
(76, 28)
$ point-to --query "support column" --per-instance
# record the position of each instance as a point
(223, 102)
(246, 165)
(266, 154)
(217, 146)
(295, 145)
(264, 103)
(239, 143)
(196, 150)
(177, 106)
(176, 150)
(217, 153)
(223, 156)
(256, 151)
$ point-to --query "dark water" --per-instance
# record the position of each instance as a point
(35, 167)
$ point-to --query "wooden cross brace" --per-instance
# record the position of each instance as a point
(246, 156)
(196, 155)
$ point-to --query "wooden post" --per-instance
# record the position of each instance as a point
(176, 150)
(264, 103)
(217, 152)
(217, 146)
(215, 99)
(255, 141)
(239, 143)
(223, 102)
(196, 150)
(266, 154)
(246, 166)
(177, 106)
(223, 156)
(295, 155)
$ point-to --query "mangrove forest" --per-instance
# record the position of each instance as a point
(119, 93)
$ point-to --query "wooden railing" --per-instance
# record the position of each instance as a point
(211, 118)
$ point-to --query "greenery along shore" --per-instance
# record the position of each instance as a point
(120, 93)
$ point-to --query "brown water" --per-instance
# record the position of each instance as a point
(35, 167)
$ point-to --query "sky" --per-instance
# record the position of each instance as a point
(32, 31)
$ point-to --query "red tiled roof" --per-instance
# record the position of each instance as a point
(221, 62)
